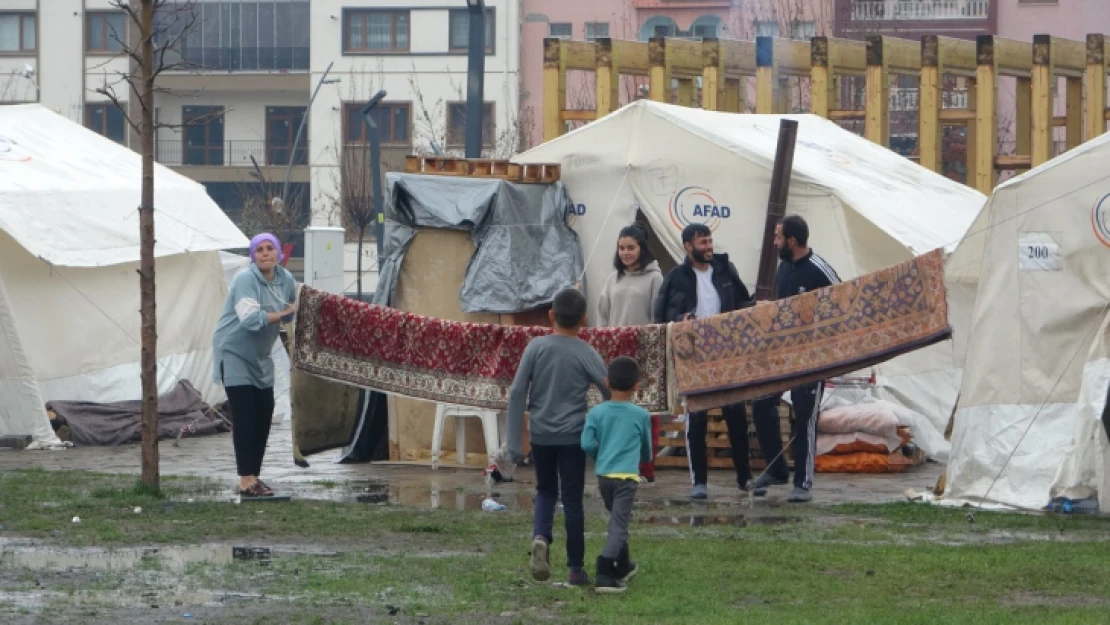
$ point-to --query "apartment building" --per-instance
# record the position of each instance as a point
(242, 78)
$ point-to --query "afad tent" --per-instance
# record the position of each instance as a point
(867, 207)
(69, 252)
(1036, 371)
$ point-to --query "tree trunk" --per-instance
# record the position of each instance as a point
(358, 263)
(149, 359)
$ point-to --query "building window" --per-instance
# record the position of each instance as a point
(706, 26)
(376, 31)
(282, 123)
(17, 32)
(106, 120)
(658, 26)
(596, 30)
(767, 29)
(394, 121)
(232, 35)
(105, 31)
(456, 125)
(204, 135)
(459, 35)
(803, 30)
(560, 30)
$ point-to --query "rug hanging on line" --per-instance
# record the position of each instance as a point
(471, 364)
(775, 346)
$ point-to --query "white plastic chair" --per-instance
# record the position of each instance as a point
(489, 430)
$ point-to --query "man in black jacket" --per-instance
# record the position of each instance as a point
(801, 270)
(706, 284)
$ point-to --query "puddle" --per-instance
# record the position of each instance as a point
(703, 520)
(172, 558)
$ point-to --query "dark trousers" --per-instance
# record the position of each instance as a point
(252, 412)
(697, 424)
(561, 474)
(618, 495)
(765, 414)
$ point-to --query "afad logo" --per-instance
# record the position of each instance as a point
(695, 205)
(574, 213)
(1100, 219)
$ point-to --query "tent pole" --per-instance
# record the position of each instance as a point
(776, 207)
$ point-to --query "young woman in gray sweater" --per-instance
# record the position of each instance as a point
(628, 299)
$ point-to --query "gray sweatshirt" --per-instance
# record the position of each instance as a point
(244, 338)
(551, 383)
(629, 300)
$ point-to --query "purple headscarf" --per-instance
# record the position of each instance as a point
(266, 236)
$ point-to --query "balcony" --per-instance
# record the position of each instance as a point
(919, 10)
(175, 153)
(244, 59)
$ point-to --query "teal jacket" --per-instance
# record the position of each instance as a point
(617, 437)
(244, 340)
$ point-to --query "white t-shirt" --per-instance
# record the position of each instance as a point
(709, 303)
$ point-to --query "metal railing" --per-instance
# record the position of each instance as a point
(244, 59)
(920, 10)
(176, 152)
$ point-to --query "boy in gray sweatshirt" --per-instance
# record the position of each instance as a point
(551, 382)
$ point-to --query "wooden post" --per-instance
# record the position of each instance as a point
(930, 103)
(685, 92)
(877, 121)
(734, 95)
(148, 333)
(608, 79)
(986, 113)
(1041, 100)
(1074, 113)
(659, 75)
(554, 87)
(970, 135)
(713, 96)
(1095, 85)
(1023, 117)
(822, 84)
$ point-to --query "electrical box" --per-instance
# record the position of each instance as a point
(323, 259)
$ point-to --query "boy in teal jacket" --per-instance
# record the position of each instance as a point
(618, 438)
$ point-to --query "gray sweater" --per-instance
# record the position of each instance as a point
(551, 383)
(244, 338)
(629, 300)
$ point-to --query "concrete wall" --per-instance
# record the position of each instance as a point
(1072, 19)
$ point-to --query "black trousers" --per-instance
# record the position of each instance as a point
(252, 412)
(697, 423)
(561, 474)
(765, 414)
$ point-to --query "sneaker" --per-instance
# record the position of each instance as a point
(760, 485)
(541, 568)
(700, 492)
(799, 495)
(578, 577)
(607, 581)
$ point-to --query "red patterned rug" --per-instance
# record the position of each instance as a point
(471, 364)
(780, 345)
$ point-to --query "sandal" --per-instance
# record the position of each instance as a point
(258, 489)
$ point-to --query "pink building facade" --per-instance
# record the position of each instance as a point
(586, 20)
(1068, 19)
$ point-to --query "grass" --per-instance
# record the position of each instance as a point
(899, 563)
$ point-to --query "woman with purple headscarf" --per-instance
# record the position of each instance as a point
(259, 300)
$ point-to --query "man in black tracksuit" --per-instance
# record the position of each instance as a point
(706, 284)
(801, 270)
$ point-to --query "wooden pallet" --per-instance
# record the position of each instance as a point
(717, 438)
(483, 168)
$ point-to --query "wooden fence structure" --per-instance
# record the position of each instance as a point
(674, 66)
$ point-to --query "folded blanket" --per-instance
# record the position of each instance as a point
(470, 364)
(775, 346)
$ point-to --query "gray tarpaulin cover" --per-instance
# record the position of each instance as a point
(525, 251)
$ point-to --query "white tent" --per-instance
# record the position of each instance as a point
(867, 207)
(1040, 251)
(69, 252)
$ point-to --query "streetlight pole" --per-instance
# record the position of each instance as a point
(376, 170)
(475, 79)
(300, 131)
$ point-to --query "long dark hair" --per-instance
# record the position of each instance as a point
(633, 232)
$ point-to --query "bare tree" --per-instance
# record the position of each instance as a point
(264, 211)
(150, 52)
(15, 87)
